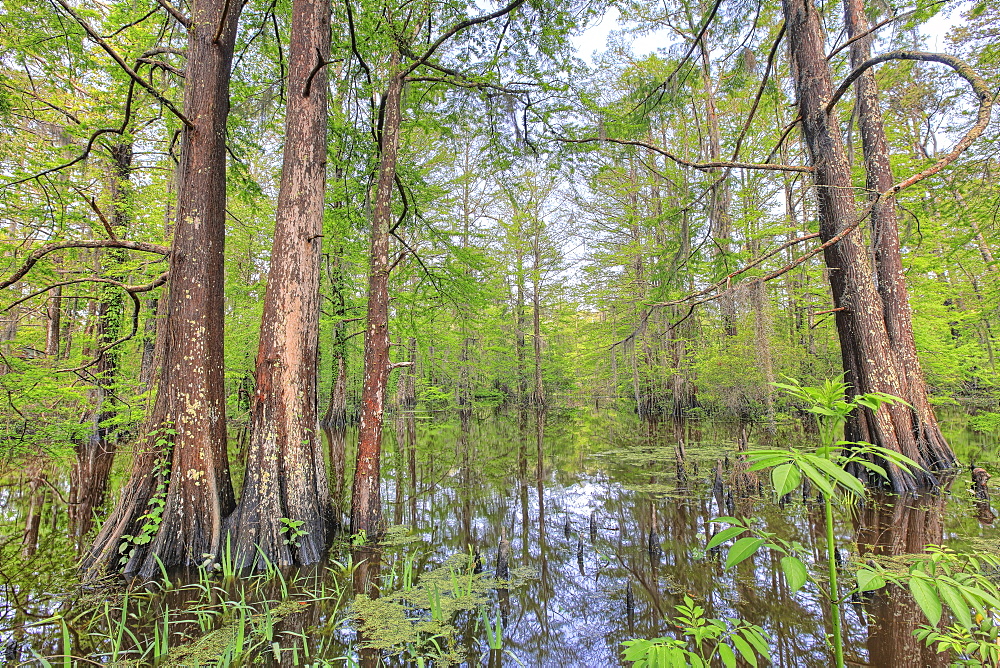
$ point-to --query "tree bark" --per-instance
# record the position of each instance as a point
(868, 358)
(891, 279)
(182, 459)
(284, 511)
(54, 313)
(366, 498)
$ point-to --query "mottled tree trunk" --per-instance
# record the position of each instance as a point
(182, 459)
(891, 280)
(866, 350)
(366, 498)
(284, 512)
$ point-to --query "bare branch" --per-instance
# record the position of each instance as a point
(320, 64)
(121, 63)
(700, 36)
(131, 290)
(39, 253)
(176, 13)
(725, 282)
(878, 26)
(167, 67)
(458, 27)
(222, 23)
(703, 166)
(963, 69)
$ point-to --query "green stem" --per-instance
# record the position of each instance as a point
(831, 552)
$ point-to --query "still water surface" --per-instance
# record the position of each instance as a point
(606, 518)
(612, 515)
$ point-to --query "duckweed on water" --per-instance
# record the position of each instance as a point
(420, 619)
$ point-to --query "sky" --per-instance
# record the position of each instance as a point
(595, 37)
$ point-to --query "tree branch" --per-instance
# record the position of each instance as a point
(458, 27)
(700, 36)
(879, 26)
(131, 290)
(176, 13)
(121, 63)
(963, 69)
(39, 253)
(702, 166)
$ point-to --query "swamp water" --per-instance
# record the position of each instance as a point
(603, 521)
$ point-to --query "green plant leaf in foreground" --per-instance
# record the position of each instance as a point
(742, 549)
(724, 535)
(795, 572)
(869, 580)
(785, 478)
(927, 599)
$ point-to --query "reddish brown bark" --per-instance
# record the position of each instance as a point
(366, 499)
(284, 511)
(182, 459)
(867, 353)
(891, 280)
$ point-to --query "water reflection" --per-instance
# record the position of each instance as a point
(891, 527)
(610, 517)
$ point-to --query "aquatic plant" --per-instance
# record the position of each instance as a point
(710, 639)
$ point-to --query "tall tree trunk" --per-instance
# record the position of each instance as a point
(720, 220)
(53, 312)
(284, 510)
(538, 395)
(885, 244)
(335, 416)
(95, 452)
(522, 378)
(865, 347)
(173, 506)
(36, 506)
(366, 498)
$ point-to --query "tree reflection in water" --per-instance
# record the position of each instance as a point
(894, 526)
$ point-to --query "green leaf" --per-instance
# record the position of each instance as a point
(869, 580)
(724, 535)
(746, 650)
(871, 466)
(742, 549)
(795, 572)
(785, 478)
(754, 637)
(817, 478)
(758, 463)
(957, 604)
(727, 655)
(845, 479)
(927, 599)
